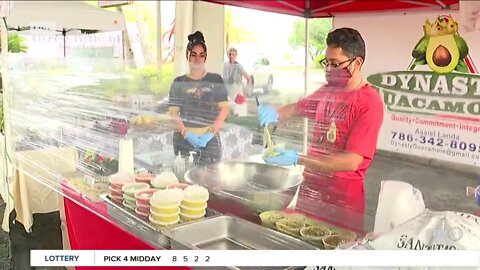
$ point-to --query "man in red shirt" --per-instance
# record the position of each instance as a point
(347, 114)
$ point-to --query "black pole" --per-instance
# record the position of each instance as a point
(64, 34)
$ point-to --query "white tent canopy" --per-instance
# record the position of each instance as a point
(64, 15)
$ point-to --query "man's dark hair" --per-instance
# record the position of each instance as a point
(349, 40)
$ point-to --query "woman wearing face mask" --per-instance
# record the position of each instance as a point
(348, 114)
(198, 105)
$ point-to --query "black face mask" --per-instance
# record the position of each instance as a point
(338, 77)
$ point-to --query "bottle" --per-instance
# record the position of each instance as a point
(179, 165)
(190, 158)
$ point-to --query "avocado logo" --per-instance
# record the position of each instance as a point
(449, 90)
(441, 47)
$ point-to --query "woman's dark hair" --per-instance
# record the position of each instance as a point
(349, 40)
(196, 39)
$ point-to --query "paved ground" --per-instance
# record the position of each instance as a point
(4, 244)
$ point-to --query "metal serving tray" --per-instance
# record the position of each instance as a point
(142, 228)
(231, 233)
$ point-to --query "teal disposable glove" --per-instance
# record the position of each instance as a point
(204, 139)
(285, 158)
(193, 139)
(267, 115)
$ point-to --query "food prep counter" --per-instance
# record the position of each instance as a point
(223, 227)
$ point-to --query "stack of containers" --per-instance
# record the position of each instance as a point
(194, 203)
(117, 181)
(129, 190)
(144, 178)
(143, 201)
(164, 206)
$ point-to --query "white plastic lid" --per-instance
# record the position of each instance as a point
(195, 193)
(121, 178)
(167, 197)
(163, 179)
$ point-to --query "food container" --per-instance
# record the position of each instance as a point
(143, 196)
(160, 223)
(198, 205)
(144, 178)
(117, 200)
(290, 226)
(167, 198)
(314, 234)
(160, 217)
(114, 192)
(269, 218)
(165, 210)
(142, 214)
(333, 241)
(195, 197)
(129, 200)
(230, 233)
(192, 211)
(258, 187)
(143, 208)
(119, 179)
(337, 231)
(131, 188)
(164, 179)
(129, 206)
(186, 217)
(195, 193)
(177, 185)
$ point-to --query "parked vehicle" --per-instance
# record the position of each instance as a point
(261, 74)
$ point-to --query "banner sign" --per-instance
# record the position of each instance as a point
(435, 112)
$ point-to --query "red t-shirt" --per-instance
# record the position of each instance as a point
(345, 121)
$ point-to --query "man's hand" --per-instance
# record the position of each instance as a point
(267, 115)
(216, 127)
(285, 158)
(204, 139)
(193, 139)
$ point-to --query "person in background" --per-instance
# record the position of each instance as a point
(232, 75)
(198, 104)
(347, 114)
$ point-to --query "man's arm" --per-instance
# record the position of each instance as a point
(345, 162)
(287, 111)
(247, 77)
(305, 107)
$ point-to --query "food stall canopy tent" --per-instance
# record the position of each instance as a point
(64, 15)
(329, 8)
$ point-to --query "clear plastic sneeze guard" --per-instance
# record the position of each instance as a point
(102, 135)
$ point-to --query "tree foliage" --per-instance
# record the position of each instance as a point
(233, 31)
(319, 28)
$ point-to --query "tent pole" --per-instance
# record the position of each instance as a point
(64, 34)
(305, 90)
(9, 170)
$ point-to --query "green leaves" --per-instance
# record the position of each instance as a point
(16, 43)
(462, 46)
(319, 29)
(420, 49)
(462, 67)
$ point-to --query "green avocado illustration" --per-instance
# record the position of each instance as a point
(441, 48)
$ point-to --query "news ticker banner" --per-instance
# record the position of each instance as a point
(241, 258)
